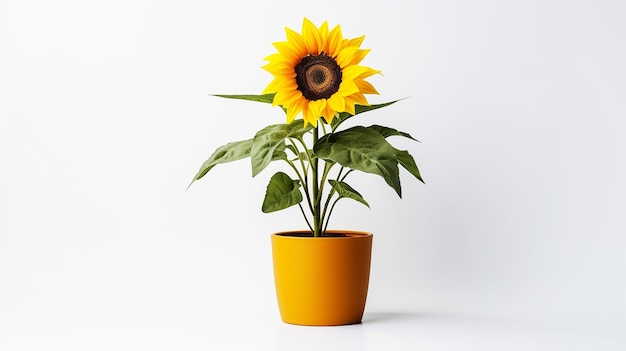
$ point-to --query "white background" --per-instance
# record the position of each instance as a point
(517, 240)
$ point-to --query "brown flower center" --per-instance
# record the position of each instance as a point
(318, 77)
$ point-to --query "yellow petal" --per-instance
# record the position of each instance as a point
(358, 98)
(334, 42)
(280, 69)
(337, 102)
(271, 88)
(323, 30)
(328, 114)
(307, 115)
(370, 72)
(347, 87)
(281, 83)
(295, 40)
(279, 99)
(287, 84)
(286, 97)
(356, 41)
(276, 58)
(358, 56)
(365, 87)
(355, 72)
(316, 107)
(345, 56)
(350, 107)
(294, 109)
(288, 52)
(311, 37)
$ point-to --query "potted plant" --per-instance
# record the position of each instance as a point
(321, 275)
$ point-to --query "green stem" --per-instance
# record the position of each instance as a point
(306, 193)
(317, 225)
(323, 128)
(304, 179)
(325, 216)
(345, 175)
(330, 195)
(293, 166)
(323, 182)
(305, 217)
(330, 213)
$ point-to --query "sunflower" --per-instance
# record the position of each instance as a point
(317, 73)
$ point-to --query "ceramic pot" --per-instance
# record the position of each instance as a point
(323, 280)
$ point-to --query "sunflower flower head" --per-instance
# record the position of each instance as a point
(317, 73)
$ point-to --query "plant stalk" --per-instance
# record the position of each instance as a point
(317, 199)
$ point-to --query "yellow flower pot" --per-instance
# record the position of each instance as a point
(324, 280)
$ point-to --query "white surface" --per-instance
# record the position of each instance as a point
(516, 242)
(200, 330)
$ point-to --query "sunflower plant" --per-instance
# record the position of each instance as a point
(318, 76)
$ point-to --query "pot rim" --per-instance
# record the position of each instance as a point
(350, 234)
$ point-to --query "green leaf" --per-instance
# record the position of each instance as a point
(298, 129)
(406, 160)
(364, 150)
(265, 143)
(303, 156)
(357, 109)
(282, 192)
(266, 98)
(404, 157)
(226, 153)
(271, 140)
(346, 191)
(387, 132)
(292, 149)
